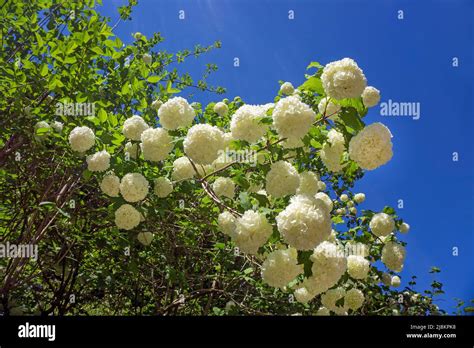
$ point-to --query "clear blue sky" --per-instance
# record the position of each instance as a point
(408, 60)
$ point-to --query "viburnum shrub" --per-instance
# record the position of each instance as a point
(288, 202)
(153, 204)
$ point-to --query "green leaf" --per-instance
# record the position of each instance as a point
(313, 84)
(102, 115)
(314, 65)
(153, 79)
(351, 119)
(44, 70)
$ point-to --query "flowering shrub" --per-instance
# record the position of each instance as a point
(292, 225)
(154, 204)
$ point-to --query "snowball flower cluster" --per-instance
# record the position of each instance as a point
(110, 185)
(81, 139)
(224, 187)
(127, 217)
(382, 224)
(330, 298)
(370, 96)
(226, 222)
(98, 162)
(282, 179)
(353, 299)
(371, 147)
(292, 118)
(343, 79)
(327, 108)
(304, 223)
(329, 264)
(147, 58)
(163, 187)
(308, 184)
(156, 144)
(131, 150)
(246, 125)
(252, 230)
(287, 88)
(393, 256)
(133, 187)
(395, 281)
(133, 127)
(357, 266)
(221, 109)
(145, 238)
(323, 197)
(203, 142)
(176, 113)
(57, 126)
(359, 198)
(182, 169)
(281, 267)
(332, 151)
(404, 227)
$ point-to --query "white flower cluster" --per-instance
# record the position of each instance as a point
(131, 150)
(354, 299)
(372, 146)
(282, 179)
(163, 187)
(246, 123)
(404, 228)
(327, 108)
(331, 297)
(145, 238)
(287, 88)
(343, 79)
(98, 162)
(252, 230)
(308, 184)
(292, 118)
(324, 198)
(156, 144)
(203, 142)
(393, 256)
(226, 223)
(358, 267)
(304, 223)
(382, 224)
(182, 169)
(281, 267)
(110, 185)
(370, 96)
(133, 127)
(221, 109)
(329, 264)
(224, 187)
(332, 151)
(134, 187)
(176, 113)
(81, 139)
(127, 217)
(359, 198)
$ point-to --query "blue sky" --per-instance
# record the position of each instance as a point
(408, 60)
